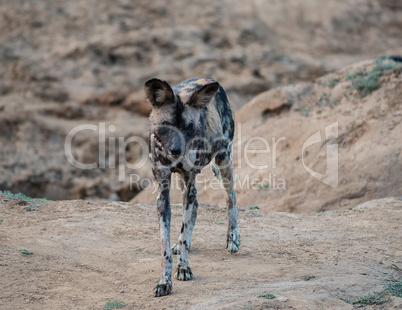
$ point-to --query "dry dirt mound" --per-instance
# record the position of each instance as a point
(68, 63)
(85, 253)
(364, 101)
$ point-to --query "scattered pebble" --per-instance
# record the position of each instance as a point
(32, 207)
(114, 197)
(122, 291)
(282, 299)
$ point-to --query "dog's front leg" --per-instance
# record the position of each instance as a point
(183, 271)
(164, 287)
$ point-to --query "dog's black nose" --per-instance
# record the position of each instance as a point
(176, 151)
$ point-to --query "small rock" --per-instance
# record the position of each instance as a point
(282, 299)
(114, 197)
(32, 207)
(122, 291)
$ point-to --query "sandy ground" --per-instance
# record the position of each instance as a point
(86, 252)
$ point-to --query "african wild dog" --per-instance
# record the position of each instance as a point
(191, 125)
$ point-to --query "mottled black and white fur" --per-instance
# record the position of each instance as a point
(191, 125)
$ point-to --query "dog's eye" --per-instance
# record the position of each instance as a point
(189, 126)
(167, 123)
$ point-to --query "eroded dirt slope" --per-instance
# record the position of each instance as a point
(68, 63)
(368, 138)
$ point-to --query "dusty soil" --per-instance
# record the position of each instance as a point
(85, 253)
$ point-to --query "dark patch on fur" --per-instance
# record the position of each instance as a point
(225, 112)
(183, 84)
(221, 157)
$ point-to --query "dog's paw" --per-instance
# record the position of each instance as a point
(183, 273)
(162, 289)
(233, 241)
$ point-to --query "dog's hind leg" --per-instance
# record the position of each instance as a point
(223, 161)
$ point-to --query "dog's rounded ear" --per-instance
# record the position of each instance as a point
(202, 96)
(158, 92)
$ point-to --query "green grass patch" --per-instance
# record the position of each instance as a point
(331, 83)
(386, 63)
(253, 214)
(365, 82)
(22, 197)
(307, 277)
(352, 76)
(304, 112)
(253, 207)
(114, 305)
(375, 298)
(267, 296)
(265, 186)
(394, 287)
(352, 206)
(327, 100)
(26, 252)
(321, 212)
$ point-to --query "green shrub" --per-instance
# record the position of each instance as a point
(367, 82)
(114, 305)
(22, 197)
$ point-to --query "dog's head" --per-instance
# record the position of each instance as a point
(178, 114)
